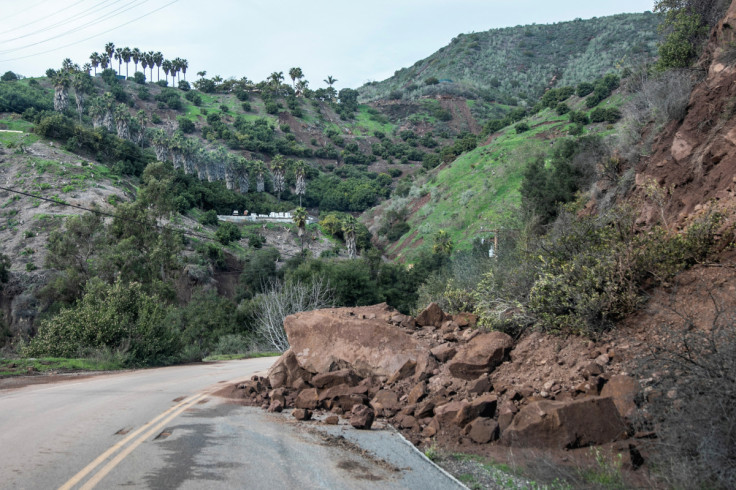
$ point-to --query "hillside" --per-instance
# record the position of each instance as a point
(516, 64)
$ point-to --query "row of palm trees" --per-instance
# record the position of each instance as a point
(190, 156)
(147, 59)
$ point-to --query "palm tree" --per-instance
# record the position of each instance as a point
(61, 90)
(300, 220)
(136, 56)
(151, 61)
(144, 63)
(184, 65)
(119, 58)
(141, 119)
(167, 67)
(104, 61)
(122, 121)
(80, 81)
(94, 59)
(68, 65)
(202, 74)
(331, 81)
(126, 54)
(86, 68)
(158, 58)
(300, 170)
(295, 73)
(276, 78)
(243, 170)
(301, 86)
(278, 170)
(109, 49)
(442, 243)
(349, 226)
(259, 169)
(160, 142)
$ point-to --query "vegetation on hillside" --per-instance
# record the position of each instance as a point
(517, 64)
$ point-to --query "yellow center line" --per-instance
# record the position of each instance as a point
(123, 454)
(102, 457)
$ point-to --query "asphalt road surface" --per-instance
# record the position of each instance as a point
(164, 428)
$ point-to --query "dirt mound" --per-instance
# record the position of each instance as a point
(448, 382)
(694, 160)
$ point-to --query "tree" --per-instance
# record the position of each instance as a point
(442, 243)
(119, 58)
(104, 61)
(136, 56)
(61, 81)
(295, 74)
(300, 171)
(349, 226)
(4, 269)
(276, 78)
(278, 171)
(82, 84)
(166, 64)
(110, 50)
(184, 64)
(9, 76)
(158, 59)
(126, 55)
(94, 59)
(259, 169)
(300, 220)
(228, 232)
(330, 81)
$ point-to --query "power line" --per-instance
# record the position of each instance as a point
(110, 215)
(90, 37)
(75, 16)
(128, 6)
(23, 12)
(42, 18)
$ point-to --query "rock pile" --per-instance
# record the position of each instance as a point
(433, 376)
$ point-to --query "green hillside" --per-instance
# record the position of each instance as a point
(480, 190)
(518, 63)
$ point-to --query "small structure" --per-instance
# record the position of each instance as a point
(286, 217)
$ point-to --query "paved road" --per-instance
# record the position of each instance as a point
(164, 428)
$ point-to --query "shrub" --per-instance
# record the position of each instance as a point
(184, 85)
(522, 127)
(585, 88)
(228, 232)
(186, 125)
(194, 97)
(209, 218)
(246, 106)
(121, 317)
(139, 78)
(562, 108)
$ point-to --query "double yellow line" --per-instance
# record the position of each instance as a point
(148, 429)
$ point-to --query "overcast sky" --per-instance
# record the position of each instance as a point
(354, 41)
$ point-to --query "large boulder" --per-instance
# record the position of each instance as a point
(480, 355)
(565, 424)
(357, 338)
(623, 389)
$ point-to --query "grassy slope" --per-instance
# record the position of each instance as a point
(479, 191)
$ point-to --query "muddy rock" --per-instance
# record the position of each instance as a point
(444, 352)
(417, 393)
(480, 386)
(481, 355)
(386, 401)
(308, 399)
(506, 413)
(302, 414)
(483, 406)
(565, 424)
(623, 390)
(334, 378)
(361, 417)
(482, 430)
(447, 414)
(276, 406)
(286, 371)
(431, 316)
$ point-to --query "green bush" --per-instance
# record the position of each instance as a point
(121, 317)
(522, 127)
(209, 218)
(227, 232)
(186, 125)
(139, 78)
